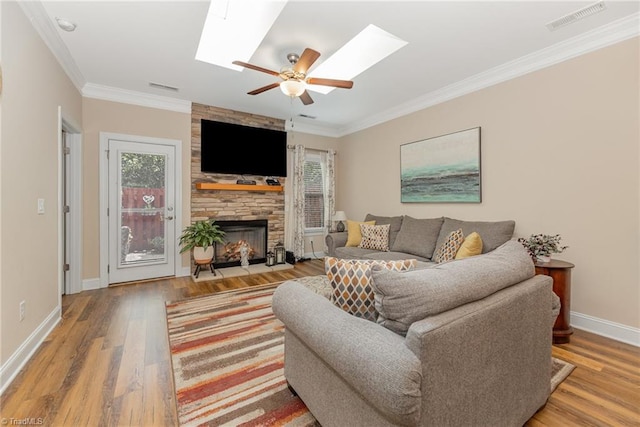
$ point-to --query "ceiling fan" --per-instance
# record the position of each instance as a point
(294, 76)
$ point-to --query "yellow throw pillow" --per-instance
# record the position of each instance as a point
(354, 236)
(471, 246)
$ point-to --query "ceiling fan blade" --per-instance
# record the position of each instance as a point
(255, 67)
(345, 84)
(263, 89)
(306, 98)
(308, 57)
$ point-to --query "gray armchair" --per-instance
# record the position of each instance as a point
(484, 362)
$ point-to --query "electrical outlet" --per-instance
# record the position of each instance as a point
(22, 310)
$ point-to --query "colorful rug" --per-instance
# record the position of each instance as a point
(227, 351)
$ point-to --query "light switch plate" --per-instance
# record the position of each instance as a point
(40, 206)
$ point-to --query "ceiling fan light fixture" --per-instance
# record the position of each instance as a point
(293, 88)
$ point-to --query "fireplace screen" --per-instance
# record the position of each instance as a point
(253, 233)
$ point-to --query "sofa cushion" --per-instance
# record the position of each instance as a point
(493, 233)
(395, 223)
(403, 298)
(354, 236)
(418, 236)
(374, 237)
(348, 252)
(471, 246)
(449, 248)
(391, 256)
(351, 283)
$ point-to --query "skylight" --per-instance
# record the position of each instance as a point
(366, 49)
(234, 29)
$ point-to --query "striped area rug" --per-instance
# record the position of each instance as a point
(227, 351)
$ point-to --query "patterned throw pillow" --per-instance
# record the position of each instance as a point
(354, 236)
(351, 283)
(447, 251)
(375, 237)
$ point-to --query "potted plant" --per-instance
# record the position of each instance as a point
(541, 246)
(201, 236)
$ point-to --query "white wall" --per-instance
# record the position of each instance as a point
(560, 154)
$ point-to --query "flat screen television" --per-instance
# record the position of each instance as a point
(242, 150)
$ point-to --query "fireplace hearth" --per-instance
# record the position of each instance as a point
(253, 233)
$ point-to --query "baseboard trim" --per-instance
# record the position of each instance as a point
(91, 284)
(183, 272)
(317, 255)
(21, 356)
(606, 328)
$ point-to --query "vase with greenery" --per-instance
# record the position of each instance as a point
(542, 246)
(200, 237)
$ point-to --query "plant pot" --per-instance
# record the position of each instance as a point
(543, 258)
(203, 255)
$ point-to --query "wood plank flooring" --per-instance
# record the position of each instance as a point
(107, 363)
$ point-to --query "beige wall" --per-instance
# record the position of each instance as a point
(560, 154)
(34, 85)
(105, 116)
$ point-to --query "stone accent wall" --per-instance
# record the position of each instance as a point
(233, 205)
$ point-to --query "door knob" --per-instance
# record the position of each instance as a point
(168, 218)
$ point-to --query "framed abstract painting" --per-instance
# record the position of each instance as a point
(443, 169)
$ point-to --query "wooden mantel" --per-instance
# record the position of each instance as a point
(236, 187)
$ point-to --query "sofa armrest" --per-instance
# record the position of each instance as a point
(499, 345)
(335, 240)
(371, 359)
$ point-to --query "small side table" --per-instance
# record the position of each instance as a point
(560, 272)
(206, 264)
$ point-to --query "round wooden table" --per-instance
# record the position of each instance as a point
(560, 272)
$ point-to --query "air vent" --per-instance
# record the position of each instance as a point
(576, 16)
(164, 87)
(306, 116)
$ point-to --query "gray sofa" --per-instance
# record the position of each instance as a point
(464, 343)
(418, 238)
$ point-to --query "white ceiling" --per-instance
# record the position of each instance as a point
(454, 47)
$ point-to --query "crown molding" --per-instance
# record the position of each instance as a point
(49, 34)
(598, 38)
(108, 93)
(606, 35)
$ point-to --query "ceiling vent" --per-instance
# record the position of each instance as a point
(164, 87)
(576, 16)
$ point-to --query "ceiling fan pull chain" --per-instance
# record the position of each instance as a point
(291, 121)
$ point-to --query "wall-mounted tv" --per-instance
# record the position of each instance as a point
(228, 148)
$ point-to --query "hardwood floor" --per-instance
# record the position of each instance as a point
(107, 363)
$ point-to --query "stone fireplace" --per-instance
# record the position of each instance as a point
(234, 205)
(253, 233)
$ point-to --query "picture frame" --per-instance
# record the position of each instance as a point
(442, 169)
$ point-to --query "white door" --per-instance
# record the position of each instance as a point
(141, 213)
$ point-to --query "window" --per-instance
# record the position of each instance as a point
(314, 192)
